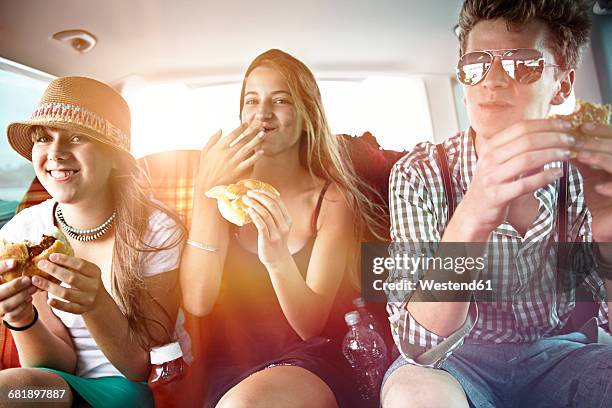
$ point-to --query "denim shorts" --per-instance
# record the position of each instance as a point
(559, 371)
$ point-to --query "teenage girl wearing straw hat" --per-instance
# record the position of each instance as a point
(118, 292)
(274, 289)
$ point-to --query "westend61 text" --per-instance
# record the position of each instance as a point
(424, 284)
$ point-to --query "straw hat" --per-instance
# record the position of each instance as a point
(80, 104)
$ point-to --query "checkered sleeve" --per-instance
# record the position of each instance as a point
(581, 221)
(414, 230)
(588, 266)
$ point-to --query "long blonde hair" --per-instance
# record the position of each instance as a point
(320, 152)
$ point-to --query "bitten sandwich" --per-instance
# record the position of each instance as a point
(229, 199)
(586, 112)
(27, 254)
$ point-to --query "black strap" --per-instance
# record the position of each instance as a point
(449, 191)
(562, 218)
(317, 210)
(562, 204)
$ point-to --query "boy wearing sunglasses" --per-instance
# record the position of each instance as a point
(505, 175)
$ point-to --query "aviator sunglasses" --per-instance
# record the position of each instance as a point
(524, 65)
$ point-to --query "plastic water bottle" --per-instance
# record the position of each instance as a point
(168, 368)
(366, 352)
(367, 319)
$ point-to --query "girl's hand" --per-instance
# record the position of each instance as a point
(83, 277)
(225, 160)
(273, 224)
(16, 297)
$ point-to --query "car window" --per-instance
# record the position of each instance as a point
(175, 115)
(20, 90)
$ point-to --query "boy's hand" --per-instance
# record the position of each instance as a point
(510, 165)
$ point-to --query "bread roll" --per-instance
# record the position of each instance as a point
(18, 252)
(229, 199)
(586, 112)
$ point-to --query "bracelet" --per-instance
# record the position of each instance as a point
(200, 245)
(604, 269)
(26, 327)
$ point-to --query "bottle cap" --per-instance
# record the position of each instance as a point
(352, 318)
(165, 353)
(359, 302)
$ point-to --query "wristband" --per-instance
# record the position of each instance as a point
(23, 328)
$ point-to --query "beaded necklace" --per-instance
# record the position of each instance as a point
(84, 235)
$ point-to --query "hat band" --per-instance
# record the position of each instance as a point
(63, 112)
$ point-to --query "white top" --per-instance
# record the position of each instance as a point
(32, 222)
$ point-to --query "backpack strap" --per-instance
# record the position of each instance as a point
(449, 191)
(562, 218)
(562, 204)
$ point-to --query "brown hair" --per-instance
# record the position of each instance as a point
(569, 22)
(320, 152)
(130, 187)
(134, 206)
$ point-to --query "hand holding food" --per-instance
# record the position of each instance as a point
(15, 297)
(586, 112)
(511, 164)
(273, 223)
(230, 202)
(27, 254)
(590, 123)
(83, 277)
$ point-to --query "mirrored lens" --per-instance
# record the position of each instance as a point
(472, 67)
(524, 65)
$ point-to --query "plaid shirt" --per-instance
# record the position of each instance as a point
(530, 307)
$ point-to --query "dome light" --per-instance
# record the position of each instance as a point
(80, 40)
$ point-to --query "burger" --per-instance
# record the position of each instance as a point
(27, 255)
(586, 112)
(229, 199)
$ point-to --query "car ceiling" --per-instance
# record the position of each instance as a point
(158, 40)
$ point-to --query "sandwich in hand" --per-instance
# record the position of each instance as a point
(586, 112)
(27, 255)
(229, 199)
